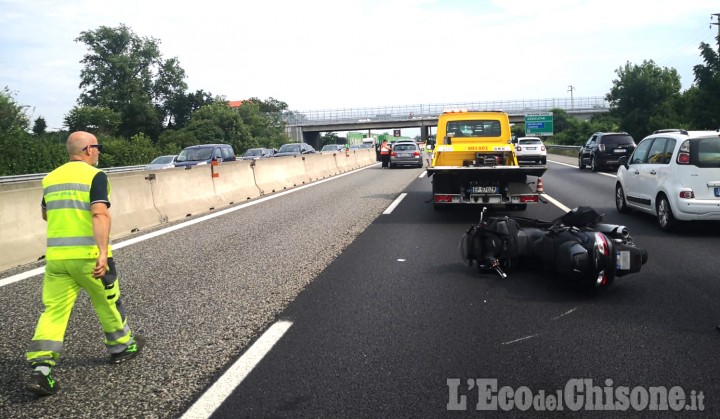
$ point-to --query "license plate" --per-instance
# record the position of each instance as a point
(483, 189)
(717, 191)
(404, 154)
(619, 150)
(531, 148)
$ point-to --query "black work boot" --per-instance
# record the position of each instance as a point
(41, 384)
(130, 352)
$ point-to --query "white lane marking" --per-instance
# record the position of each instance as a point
(401, 260)
(565, 314)
(422, 175)
(575, 166)
(518, 340)
(206, 405)
(556, 202)
(395, 203)
(39, 271)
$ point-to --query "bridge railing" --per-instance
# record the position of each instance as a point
(431, 111)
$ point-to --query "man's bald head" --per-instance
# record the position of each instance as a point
(79, 140)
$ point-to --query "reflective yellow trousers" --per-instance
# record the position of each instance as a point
(61, 285)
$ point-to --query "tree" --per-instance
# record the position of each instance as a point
(642, 96)
(39, 126)
(218, 123)
(95, 119)
(180, 107)
(127, 74)
(703, 99)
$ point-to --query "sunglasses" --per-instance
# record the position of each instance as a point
(98, 146)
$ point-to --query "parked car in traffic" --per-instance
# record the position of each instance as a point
(162, 162)
(258, 153)
(530, 150)
(332, 148)
(604, 149)
(204, 154)
(294, 149)
(673, 175)
(405, 154)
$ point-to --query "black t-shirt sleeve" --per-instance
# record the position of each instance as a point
(99, 189)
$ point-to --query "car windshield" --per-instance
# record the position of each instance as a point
(253, 152)
(618, 140)
(290, 148)
(163, 160)
(479, 128)
(195, 154)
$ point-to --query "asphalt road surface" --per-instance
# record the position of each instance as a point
(379, 317)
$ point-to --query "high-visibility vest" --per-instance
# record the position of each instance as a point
(67, 200)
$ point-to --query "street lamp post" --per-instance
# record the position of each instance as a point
(571, 89)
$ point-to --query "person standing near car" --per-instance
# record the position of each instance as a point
(385, 151)
(75, 205)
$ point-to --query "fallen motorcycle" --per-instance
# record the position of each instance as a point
(577, 246)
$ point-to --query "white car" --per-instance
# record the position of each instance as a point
(162, 162)
(530, 150)
(673, 175)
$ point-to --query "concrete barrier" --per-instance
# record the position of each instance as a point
(146, 199)
(319, 166)
(23, 231)
(278, 173)
(179, 193)
(235, 181)
(132, 206)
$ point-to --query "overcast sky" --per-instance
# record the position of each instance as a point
(329, 54)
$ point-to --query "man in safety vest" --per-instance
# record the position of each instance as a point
(75, 205)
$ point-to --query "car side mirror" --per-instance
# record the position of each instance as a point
(623, 161)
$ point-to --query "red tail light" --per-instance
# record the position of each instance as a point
(684, 153)
(393, 154)
(443, 198)
(542, 148)
(687, 194)
(529, 198)
(416, 153)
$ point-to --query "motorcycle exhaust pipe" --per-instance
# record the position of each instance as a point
(614, 231)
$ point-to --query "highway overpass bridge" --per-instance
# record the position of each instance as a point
(306, 126)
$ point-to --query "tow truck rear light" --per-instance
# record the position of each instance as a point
(443, 198)
(528, 198)
(687, 194)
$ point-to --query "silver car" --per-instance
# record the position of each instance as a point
(162, 162)
(406, 154)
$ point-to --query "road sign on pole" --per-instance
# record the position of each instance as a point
(539, 123)
(396, 133)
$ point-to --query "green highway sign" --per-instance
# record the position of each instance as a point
(539, 123)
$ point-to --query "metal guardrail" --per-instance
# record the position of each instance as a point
(39, 176)
(563, 147)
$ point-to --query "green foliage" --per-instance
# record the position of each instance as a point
(703, 99)
(639, 97)
(96, 119)
(39, 126)
(121, 152)
(126, 74)
(331, 138)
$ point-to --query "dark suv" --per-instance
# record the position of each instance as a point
(604, 149)
(204, 154)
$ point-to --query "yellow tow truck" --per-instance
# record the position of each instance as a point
(474, 163)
